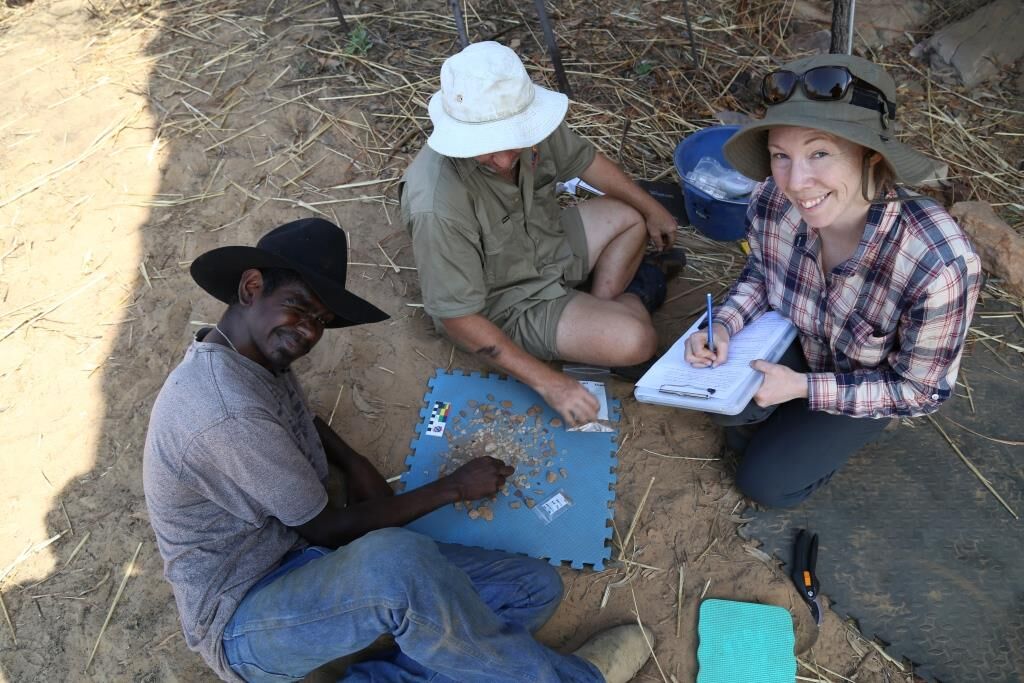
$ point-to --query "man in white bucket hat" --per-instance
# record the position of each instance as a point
(498, 259)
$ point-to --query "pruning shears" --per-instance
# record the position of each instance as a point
(805, 557)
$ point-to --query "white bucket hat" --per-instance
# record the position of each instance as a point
(487, 103)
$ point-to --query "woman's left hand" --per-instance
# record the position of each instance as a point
(780, 384)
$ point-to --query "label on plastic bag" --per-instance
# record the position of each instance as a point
(553, 506)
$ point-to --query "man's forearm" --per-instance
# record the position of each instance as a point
(379, 513)
(485, 339)
(362, 479)
(606, 176)
(565, 395)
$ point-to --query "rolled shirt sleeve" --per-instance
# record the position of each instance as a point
(572, 154)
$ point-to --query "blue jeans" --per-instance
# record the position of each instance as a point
(456, 613)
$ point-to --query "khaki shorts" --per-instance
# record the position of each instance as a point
(536, 327)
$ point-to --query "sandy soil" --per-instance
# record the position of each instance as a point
(110, 183)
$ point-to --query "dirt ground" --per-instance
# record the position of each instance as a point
(131, 144)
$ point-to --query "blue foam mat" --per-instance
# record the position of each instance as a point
(514, 418)
(744, 641)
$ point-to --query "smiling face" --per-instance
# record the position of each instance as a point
(821, 175)
(501, 163)
(284, 324)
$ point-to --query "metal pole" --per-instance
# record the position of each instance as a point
(460, 22)
(556, 56)
(693, 38)
(338, 13)
(850, 29)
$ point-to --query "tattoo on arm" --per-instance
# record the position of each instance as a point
(489, 351)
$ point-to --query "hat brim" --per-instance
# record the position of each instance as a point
(747, 149)
(219, 272)
(461, 140)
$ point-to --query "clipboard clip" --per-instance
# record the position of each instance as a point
(687, 390)
(586, 371)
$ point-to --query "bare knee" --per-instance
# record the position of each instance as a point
(615, 262)
(639, 343)
(610, 217)
(605, 332)
(610, 221)
(633, 228)
(634, 222)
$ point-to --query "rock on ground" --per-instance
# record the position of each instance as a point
(978, 46)
(1001, 249)
(877, 22)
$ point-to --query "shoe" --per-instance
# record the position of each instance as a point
(619, 652)
(671, 261)
(649, 286)
(650, 281)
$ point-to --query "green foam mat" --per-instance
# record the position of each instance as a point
(744, 641)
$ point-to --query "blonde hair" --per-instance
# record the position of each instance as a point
(880, 175)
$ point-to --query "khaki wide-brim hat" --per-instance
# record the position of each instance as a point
(487, 103)
(747, 149)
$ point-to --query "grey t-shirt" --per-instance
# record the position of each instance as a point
(232, 459)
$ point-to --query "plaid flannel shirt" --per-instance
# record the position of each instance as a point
(884, 331)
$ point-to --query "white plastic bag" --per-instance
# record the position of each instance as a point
(718, 181)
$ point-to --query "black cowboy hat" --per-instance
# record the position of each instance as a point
(314, 248)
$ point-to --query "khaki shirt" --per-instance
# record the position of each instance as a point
(482, 244)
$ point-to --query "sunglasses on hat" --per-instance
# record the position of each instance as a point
(825, 84)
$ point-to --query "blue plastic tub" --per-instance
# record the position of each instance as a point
(720, 219)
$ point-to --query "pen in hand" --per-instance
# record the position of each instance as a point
(711, 334)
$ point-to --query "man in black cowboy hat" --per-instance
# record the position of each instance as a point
(271, 580)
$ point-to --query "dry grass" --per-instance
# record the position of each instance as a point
(637, 94)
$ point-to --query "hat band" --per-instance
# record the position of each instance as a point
(875, 102)
(496, 117)
(826, 84)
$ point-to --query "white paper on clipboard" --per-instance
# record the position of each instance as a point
(730, 386)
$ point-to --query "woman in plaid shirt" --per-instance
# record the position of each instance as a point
(881, 284)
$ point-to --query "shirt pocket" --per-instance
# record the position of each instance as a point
(506, 257)
(862, 344)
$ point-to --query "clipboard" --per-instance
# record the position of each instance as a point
(727, 389)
